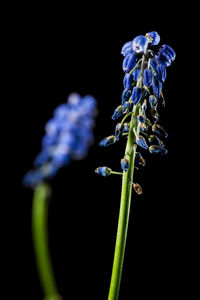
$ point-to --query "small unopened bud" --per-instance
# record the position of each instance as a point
(140, 141)
(108, 141)
(159, 130)
(137, 188)
(124, 164)
(118, 112)
(103, 171)
(118, 131)
(139, 159)
(153, 139)
(153, 102)
(154, 114)
(125, 127)
(155, 149)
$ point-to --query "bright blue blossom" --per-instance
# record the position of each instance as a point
(147, 77)
(127, 48)
(140, 44)
(68, 136)
(153, 38)
(128, 80)
(129, 62)
(161, 73)
(136, 95)
(167, 50)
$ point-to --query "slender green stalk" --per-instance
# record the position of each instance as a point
(124, 210)
(40, 241)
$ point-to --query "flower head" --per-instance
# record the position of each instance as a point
(68, 136)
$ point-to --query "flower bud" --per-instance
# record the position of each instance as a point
(103, 171)
(153, 101)
(167, 50)
(108, 141)
(129, 62)
(144, 105)
(126, 94)
(157, 87)
(153, 38)
(128, 80)
(125, 127)
(153, 139)
(127, 48)
(163, 59)
(118, 112)
(154, 114)
(118, 131)
(137, 188)
(147, 77)
(136, 73)
(140, 141)
(124, 164)
(139, 159)
(158, 129)
(136, 95)
(128, 106)
(161, 73)
(140, 44)
(155, 149)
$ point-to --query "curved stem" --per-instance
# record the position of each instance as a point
(40, 241)
(124, 210)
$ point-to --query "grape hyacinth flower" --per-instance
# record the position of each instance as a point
(68, 135)
(145, 75)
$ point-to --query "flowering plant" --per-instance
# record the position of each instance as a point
(145, 74)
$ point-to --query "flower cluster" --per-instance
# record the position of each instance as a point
(145, 74)
(68, 136)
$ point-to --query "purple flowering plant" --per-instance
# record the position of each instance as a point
(145, 74)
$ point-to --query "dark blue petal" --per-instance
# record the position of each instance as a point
(169, 51)
(163, 59)
(155, 149)
(153, 101)
(136, 95)
(128, 80)
(140, 141)
(127, 48)
(126, 94)
(147, 77)
(140, 44)
(157, 87)
(136, 73)
(129, 62)
(161, 73)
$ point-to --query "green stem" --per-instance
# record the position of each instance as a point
(124, 210)
(116, 173)
(40, 241)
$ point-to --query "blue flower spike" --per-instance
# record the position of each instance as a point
(143, 82)
(68, 136)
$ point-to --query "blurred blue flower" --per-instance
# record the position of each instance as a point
(68, 136)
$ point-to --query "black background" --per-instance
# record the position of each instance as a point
(59, 50)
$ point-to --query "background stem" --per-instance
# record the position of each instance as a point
(124, 210)
(40, 241)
